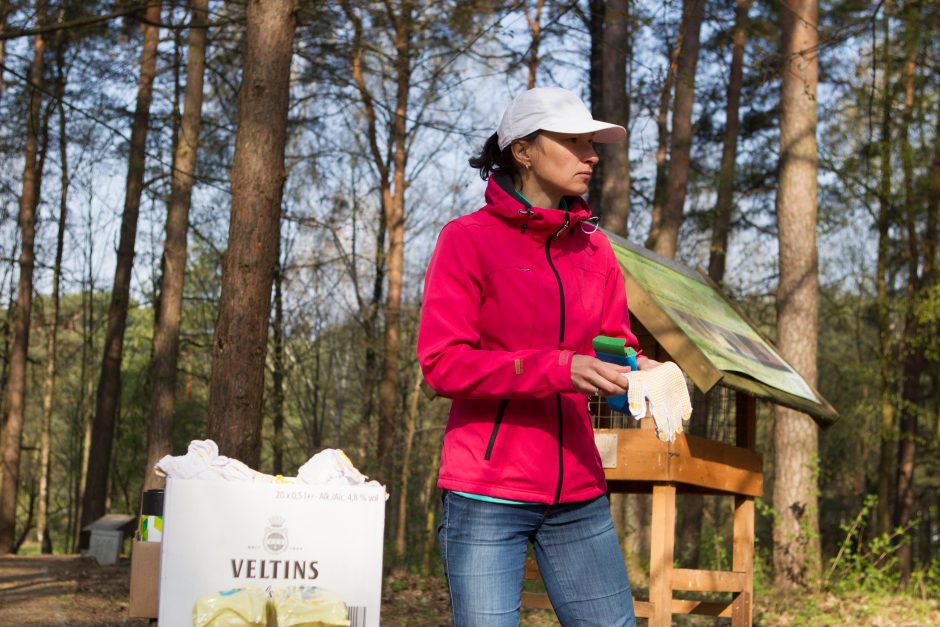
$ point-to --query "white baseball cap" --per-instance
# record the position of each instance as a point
(553, 109)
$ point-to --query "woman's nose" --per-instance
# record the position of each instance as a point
(590, 155)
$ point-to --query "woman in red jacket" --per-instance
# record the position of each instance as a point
(514, 294)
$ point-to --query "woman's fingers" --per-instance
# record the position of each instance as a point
(594, 377)
(612, 382)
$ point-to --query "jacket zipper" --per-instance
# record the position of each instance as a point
(496, 423)
(561, 339)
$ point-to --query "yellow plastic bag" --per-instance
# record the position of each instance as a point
(300, 606)
(239, 607)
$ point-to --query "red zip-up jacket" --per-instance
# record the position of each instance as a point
(512, 292)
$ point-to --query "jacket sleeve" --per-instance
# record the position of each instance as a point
(449, 350)
(615, 321)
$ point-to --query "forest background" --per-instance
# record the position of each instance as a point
(165, 277)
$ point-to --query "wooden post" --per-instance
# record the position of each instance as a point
(743, 558)
(743, 533)
(662, 550)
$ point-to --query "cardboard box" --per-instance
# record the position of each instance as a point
(145, 580)
(219, 535)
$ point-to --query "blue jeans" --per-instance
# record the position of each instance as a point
(483, 546)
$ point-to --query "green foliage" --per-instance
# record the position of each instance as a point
(927, 310)
(863, 563)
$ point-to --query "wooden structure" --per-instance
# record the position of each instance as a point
(637, 462)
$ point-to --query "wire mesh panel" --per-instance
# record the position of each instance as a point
(712, 414)
(603, 417)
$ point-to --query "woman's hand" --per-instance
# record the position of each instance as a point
(645, 363)
(592, 376)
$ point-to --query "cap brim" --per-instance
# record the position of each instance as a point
(604, 132)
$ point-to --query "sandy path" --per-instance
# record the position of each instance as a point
(62, 591)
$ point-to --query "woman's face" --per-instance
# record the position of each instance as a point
(559, 165)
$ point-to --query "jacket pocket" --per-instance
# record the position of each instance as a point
(499, 419)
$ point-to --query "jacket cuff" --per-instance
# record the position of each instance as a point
(560, 376)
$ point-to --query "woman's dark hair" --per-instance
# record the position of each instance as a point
(492, 160)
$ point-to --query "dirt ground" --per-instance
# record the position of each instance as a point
(76, 592)
(63, 590)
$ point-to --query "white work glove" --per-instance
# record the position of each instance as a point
(661, 393)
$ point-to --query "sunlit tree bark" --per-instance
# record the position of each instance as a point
(724, 203)
(660, 191)
(796, 548)
(533, 16)
(664, 237)
(615, 100)
(236, 385)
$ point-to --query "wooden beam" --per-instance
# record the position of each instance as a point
(536, 601)
(645, 609)
(690, 460)
(704, 608)
(690, 580)
(706, 463)
(532, 570)
(642, 609)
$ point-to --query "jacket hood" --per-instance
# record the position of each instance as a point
(503, 201)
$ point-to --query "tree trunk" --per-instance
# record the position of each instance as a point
(662, 140)
(83, 411)
(277, 375)
(535, 31)
(45, 438)
(887, 369)
(430, 506)
(370, 314)
(394, 207)
(616, 109)
(796, 551)
(680, 143)
(641, 506)
(4, 13)
(236, 385)
(594, 22)
(911, 408)
(912, 395)
(108, 398)
(693, 505)
(411, 422)
(5, 331)
(15, 394)
(167, 332)
(724, 203)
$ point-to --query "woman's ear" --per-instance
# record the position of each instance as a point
(521, 153)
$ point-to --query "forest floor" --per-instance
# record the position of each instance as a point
(77, 592)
